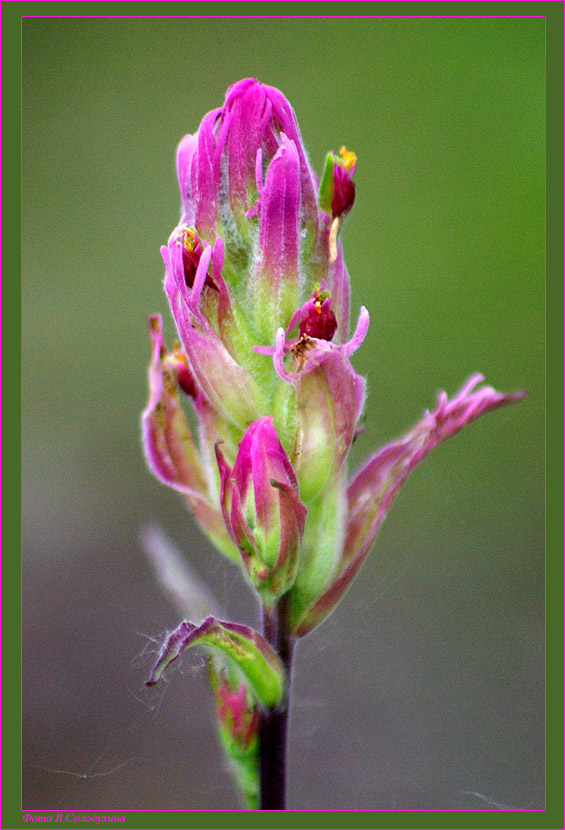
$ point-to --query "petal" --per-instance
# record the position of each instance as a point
(250, 110)
(276, 279)
(292, 521)
(185, 152)
(243, 647)
(268, 462)
(230, 500)
(283, 114)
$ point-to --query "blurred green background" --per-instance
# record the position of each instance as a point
(425, 688)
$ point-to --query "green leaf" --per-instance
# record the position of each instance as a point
(240, 645)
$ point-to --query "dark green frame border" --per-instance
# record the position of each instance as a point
(553, 816)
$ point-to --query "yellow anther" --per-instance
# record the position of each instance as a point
(349, 158)
(317, 300)
(176, 357)
(188, 240)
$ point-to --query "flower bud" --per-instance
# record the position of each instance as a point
(237, 713)
(237, 716)
(262, 510)
(337, 191)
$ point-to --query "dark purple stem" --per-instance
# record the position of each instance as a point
(273, 725)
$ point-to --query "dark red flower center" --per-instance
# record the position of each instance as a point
(320, 321)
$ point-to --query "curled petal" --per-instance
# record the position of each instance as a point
(374, 487)
(277, 353)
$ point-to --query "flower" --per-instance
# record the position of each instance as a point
(329, 394)
(212, 341)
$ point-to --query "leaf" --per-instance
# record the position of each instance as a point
(243, 647)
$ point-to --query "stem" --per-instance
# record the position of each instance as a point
(273, 725)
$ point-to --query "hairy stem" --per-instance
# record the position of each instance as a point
(273, 724)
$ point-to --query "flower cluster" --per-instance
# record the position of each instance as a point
(259, 293)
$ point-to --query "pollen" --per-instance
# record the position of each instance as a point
(349, 158)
